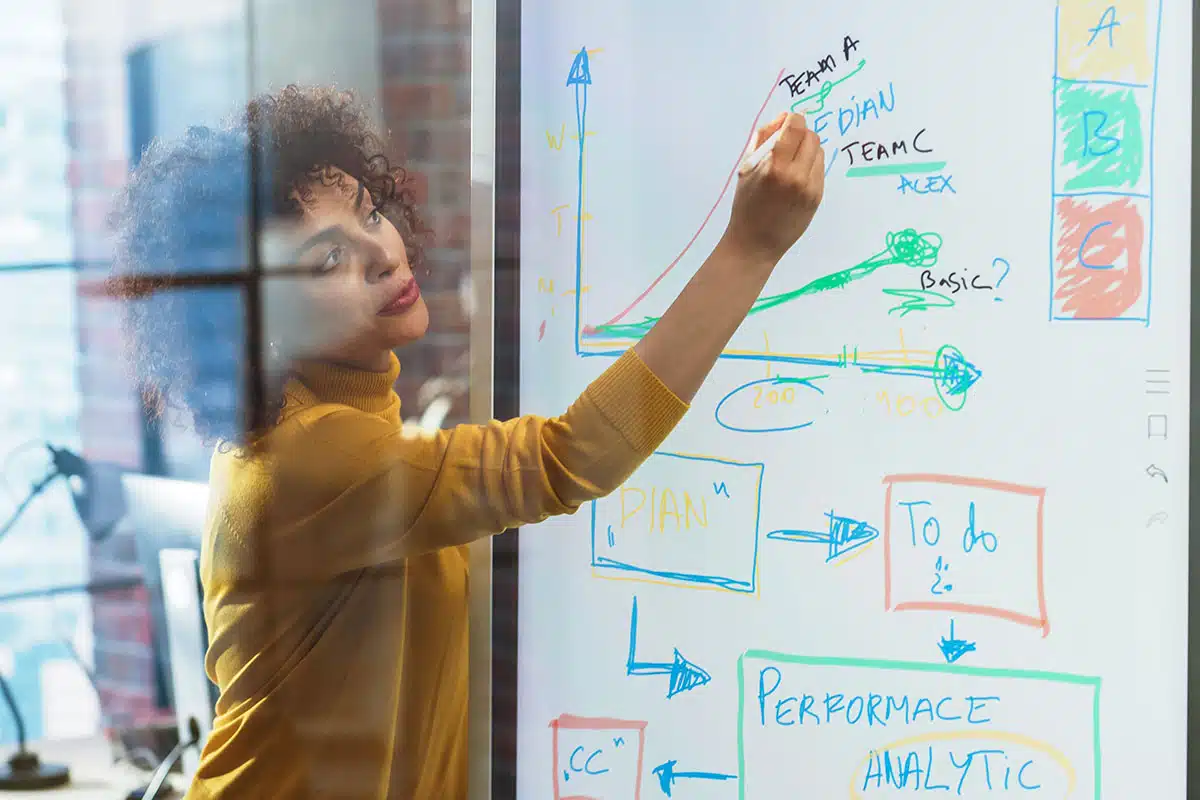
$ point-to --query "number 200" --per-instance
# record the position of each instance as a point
(773, 397)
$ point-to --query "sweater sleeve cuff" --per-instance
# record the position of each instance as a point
(639, 405)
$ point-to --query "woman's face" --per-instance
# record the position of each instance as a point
(345, 291)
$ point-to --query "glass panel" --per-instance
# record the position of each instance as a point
(141, 310)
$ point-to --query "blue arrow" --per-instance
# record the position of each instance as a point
(581, 69)
(684, 675)
(580, 77)
(667, 776)
(954, 649)
(844, 534)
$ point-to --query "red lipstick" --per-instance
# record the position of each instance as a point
(403, 300)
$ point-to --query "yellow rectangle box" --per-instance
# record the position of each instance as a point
(1107, 40)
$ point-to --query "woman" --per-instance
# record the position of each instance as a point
(333, 565)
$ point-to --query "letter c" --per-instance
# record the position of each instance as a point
(1083, 246)
(587, 764)
(1021, 778)
(942, 716)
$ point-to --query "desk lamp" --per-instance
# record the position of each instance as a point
(90, 491)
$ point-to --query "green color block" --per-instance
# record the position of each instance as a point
(1102, 136)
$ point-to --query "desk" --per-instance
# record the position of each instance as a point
(93, 775)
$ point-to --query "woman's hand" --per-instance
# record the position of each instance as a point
(776, 199)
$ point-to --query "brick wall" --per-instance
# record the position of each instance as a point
(110, 418)
(425, 93)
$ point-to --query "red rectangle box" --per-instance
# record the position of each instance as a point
(964, 545)
(597, 758)
(1101, 258)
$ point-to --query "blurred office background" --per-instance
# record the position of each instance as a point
(84, 86)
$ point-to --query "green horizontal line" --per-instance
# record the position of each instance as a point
(895, 169)
(920, 666)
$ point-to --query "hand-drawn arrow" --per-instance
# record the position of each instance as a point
(684, 675)
(580, 77)
(844, 534)
(666, 774)
(953, 649)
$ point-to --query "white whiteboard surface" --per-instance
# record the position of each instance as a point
(924, 530)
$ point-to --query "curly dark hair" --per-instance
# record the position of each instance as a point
(183, 226)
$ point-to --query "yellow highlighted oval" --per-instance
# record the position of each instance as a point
(1053, 753)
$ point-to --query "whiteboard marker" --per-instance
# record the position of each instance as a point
(753, 157)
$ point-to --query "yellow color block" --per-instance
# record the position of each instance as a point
(1106, 40)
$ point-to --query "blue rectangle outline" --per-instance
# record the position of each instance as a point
(716, 581)
(1149, 196)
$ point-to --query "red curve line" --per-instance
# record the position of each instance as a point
(708, 216)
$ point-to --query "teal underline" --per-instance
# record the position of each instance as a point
(920, 666)
(895, 169)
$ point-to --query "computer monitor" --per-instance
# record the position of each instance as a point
(194, 695)
(166, 518)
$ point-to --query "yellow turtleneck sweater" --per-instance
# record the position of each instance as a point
(335, 575)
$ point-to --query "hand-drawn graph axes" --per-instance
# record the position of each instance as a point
(951, 373)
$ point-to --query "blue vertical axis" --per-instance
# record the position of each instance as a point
(580, 77)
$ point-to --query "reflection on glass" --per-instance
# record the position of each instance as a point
(85, 87)
(39, 397)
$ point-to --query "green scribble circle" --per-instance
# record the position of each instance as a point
(953, 375)
(913, 249)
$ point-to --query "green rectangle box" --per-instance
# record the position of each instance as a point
(913, 666)
(1103, 141)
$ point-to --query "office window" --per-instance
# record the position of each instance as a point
(85, 87)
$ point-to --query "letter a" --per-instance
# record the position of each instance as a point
(1108, 21)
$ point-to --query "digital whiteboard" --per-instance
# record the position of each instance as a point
(924, 530)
